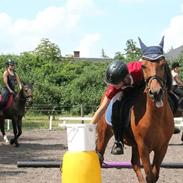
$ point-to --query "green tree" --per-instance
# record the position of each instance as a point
(132, 52)
(119, 56)
(179, 59)
(66, 82)
(47, 50)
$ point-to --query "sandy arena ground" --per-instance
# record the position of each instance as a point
(51, 145)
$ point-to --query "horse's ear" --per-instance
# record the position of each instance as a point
(142, 45)
(162, 42)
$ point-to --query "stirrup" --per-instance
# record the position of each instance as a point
(117, 148)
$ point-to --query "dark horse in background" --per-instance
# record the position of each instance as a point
(151, 124)
(15, 111)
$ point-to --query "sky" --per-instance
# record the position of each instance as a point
(89, 26)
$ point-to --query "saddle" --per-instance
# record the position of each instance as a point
(9, 102)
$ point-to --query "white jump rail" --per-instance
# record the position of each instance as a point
(177, 120)
(64, 120)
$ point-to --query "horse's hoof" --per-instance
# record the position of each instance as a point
(7, 141)
(12, 141)
(17, 144)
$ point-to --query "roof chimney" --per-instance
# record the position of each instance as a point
(76, 54)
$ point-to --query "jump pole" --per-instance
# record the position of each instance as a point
(128, 165)
(39, 164)
(106, 164)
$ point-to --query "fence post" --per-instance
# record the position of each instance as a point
(82, 113)
(8, 124)
(50, 122)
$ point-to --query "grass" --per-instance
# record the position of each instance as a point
(31, 121)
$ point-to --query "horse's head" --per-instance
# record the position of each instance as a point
(153, 65)
(27, 91)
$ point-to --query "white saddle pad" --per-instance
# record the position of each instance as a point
(108, 113)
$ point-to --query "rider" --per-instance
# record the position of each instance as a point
(120, 77)
(177, 83)
(10, 79)
(125, 81)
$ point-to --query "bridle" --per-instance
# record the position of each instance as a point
(160, 81)
(27, 98)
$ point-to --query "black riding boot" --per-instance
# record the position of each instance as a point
(117, 148)
(116, 124)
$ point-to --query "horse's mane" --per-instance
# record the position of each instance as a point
(168, 77)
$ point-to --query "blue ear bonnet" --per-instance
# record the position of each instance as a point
(152, 52)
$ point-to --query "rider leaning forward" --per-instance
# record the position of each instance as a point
(119, 76)
(125, 81)
(10, 80)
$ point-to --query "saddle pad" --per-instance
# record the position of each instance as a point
(9, 103)
(108, 113)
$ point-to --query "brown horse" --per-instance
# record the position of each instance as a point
(16, 111)
(151, 124)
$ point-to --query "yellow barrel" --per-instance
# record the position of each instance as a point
(81, 167)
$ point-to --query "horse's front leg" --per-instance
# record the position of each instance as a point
(104, 133)
(135, 161)
(145, 157)
(14, 140)
(159, 155)
(19, 127)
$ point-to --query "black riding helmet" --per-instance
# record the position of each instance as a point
(116, 72)
(10, 62)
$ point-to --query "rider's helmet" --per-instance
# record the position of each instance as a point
(10, 62)
(116, 72)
